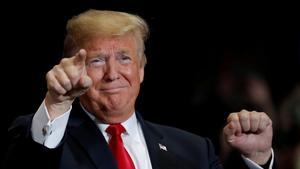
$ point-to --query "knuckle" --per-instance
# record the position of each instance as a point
(49, 75)
(51, 86)
(59, 90)
(56, 68)
(232, 117)
(243, 116)
(254, 115)
(244, 111)
(64, 61)
(50, 83)
(67, 84)
(73, 76)
(264, 116)
(55, 87)
(72, 73)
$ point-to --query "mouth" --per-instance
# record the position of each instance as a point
(112, 89)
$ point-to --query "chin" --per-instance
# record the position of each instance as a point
(116, 109)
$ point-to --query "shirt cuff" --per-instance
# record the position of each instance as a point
(47, 132)
(252, 165)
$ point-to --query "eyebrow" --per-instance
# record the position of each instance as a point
(98, 55)
(123, 52)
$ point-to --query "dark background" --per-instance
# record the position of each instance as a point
(189, 41)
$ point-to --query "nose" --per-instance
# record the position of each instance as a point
(111, 73)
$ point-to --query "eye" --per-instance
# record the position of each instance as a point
(124, 59)
(97, 62)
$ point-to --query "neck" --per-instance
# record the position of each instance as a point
(108, 116)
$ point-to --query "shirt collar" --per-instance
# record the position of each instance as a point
(130, 125)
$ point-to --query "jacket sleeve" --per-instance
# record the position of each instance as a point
(23, 152)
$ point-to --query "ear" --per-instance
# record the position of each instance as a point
(141, 73)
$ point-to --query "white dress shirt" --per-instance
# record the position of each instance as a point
(133, 140)
(50, 133)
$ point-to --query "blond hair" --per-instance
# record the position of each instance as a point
(91, 23)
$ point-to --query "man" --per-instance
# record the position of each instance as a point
(104, 72)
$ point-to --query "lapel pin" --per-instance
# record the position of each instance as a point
(162, 147)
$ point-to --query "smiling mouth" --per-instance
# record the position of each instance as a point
(112, 90)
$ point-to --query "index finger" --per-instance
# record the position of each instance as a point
(80, 57)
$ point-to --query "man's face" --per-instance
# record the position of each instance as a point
(114, 67)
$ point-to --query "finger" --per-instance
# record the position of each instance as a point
(80, 57)
(75, 93)
(254, 121)
(62, 78)
(75, 66)
(244, 120)
(264, 122)
(234, 124)
(74, 74)
(85, 83)
(53, 85)
(229, 132)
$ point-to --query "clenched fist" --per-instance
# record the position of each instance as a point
(250, 133)
(65, 82)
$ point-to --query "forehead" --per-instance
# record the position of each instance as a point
(106, 44)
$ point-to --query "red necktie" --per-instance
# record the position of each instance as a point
(116, 145)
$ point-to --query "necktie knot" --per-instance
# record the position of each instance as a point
(115, 130)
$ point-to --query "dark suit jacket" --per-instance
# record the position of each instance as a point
(84, 147)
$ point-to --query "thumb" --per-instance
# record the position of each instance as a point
(82, 86)
(85, 81)
(232, 131)
(229, 132)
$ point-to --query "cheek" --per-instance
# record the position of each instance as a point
(95, 75)
(133, 76)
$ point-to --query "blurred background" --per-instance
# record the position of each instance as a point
(205, 60)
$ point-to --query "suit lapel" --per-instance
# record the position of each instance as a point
(82, 129)
(160, 156)
(91, 139)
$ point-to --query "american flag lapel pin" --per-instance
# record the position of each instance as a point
(162, 147)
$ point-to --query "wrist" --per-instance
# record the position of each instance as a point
(259, 157)
(54, 108)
